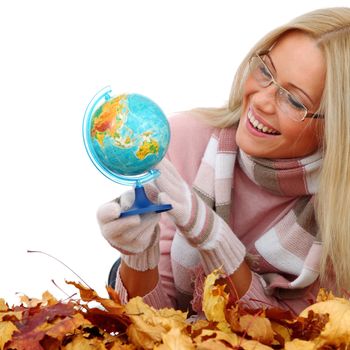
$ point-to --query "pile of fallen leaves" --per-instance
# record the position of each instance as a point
(92, 322)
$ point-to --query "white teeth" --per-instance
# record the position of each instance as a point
(261, 127)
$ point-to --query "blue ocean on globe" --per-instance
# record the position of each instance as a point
(129, 134)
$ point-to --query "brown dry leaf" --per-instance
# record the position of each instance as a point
(232, 317)
(63, 326)
(149, 324)
(336, 332)
(6, 330)
(87, 294)
(257, 327)
(298, 344)
(11, 315)
(111, 304)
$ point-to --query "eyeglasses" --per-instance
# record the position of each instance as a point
(287, 102)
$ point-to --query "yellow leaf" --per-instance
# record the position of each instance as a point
(283, 331)
(208, 338)
(47, 299)
(323, 295)
(254, 345)
(175, 340)
(212, 344)
(336, 331)
(3, 305)
(298, 344)
(6, 330)
(81, 343)
(149, 324)
(11, 315)
(215, 300)
(257, 327)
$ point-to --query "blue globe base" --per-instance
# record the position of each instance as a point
(143, 205)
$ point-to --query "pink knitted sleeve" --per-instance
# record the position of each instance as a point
(255, 297)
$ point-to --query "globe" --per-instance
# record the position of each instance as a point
(125, 137)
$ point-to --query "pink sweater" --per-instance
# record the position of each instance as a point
(189, 138)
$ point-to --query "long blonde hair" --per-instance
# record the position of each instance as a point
(330, 28)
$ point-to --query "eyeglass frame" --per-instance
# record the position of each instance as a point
(281, 88)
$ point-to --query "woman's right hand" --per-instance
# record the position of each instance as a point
(135, 236)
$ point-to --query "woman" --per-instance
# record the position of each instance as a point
(259, 187)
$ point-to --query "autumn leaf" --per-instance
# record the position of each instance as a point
(7, 328)
(215, 300)
(324, 295)
(47, 299)
(298, 344)
(174, 340)
(63, 326)
(336, 331)
(3, 305)
(208, 339)
(149, 324)
(258, 328)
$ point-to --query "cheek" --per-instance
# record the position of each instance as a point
(249, 87)
(304, 139)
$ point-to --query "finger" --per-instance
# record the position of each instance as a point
(127, 200)
(108, 212)
(114, 229)
(141, 234)
(151, 191)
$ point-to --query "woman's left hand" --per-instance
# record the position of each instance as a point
(199, 224)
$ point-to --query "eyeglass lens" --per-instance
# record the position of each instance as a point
(287, 102)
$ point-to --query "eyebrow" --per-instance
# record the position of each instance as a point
(294, 86)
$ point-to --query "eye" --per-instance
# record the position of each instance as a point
(263, 70)
(294, 102)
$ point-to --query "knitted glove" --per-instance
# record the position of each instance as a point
(199, 224)
(135, 236)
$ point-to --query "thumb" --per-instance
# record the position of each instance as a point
(163, 198)
(178, 213)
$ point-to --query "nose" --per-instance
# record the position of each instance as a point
(265, 99)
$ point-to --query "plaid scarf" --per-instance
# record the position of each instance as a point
(291, 246)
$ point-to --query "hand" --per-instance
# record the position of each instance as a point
(135, 236)
(199, 224)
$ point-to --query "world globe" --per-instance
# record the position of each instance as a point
(125, 136)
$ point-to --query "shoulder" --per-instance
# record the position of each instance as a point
(189, 138)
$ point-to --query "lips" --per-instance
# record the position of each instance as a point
(259, 126)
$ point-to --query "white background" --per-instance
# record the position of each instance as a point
(54, 56)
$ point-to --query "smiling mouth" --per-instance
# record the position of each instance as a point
(260, 126)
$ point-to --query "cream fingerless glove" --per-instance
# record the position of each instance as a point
(136, 237)
(199, 224)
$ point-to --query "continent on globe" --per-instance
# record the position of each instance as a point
(129, 134)
(109, 120)
(147, 147)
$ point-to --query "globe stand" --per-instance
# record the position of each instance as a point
(143, 205)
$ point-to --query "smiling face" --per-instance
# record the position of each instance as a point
(264, 130)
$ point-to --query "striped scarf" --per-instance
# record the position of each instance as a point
(291, 246)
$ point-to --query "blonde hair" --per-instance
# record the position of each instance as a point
(330, 28)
